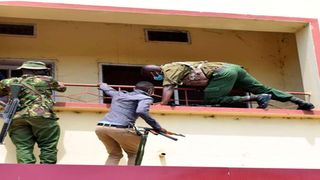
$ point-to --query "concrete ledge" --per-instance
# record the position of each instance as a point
(199, 111)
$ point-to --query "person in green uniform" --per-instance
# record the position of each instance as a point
(223, 77)
(34, 121)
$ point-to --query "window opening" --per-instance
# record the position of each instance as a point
(17, 29)
(130, 75)
(126, 75)
(167, 36)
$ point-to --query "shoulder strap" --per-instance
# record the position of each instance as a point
(24, 84)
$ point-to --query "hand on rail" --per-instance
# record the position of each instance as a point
(103, 86)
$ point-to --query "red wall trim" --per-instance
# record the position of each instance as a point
(205, 111)
(94, 172)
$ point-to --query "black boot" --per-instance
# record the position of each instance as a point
(302, 105)
(262, 100)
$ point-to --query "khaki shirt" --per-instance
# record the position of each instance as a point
(176, 71)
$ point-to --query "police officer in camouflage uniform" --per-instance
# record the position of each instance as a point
(34, 121)
(223, 77)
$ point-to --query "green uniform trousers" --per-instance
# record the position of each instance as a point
(234, 76)
(24, 133)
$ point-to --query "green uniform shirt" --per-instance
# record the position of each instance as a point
(176, 71)
(35, 95)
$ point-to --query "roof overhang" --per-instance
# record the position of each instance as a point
(153, 17)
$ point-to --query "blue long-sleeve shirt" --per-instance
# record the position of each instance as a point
(126, 107)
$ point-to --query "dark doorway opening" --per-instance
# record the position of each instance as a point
(124, 75)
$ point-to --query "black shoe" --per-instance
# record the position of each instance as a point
(305, 106)
(263, 100)
(302, 104)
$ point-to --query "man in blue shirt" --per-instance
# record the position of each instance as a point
(115, 130)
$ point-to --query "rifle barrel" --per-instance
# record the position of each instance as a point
(8, 114)
(167, 136)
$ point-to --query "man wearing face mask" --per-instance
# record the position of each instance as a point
(221, 79)
(116, 130)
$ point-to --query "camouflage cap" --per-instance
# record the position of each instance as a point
(37, 65)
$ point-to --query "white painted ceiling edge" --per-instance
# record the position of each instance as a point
(287, 8)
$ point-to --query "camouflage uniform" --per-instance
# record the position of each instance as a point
(34, 122)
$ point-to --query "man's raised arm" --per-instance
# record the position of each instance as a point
(166, 94)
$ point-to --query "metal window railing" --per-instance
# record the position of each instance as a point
(89, 93)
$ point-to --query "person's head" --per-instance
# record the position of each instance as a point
(34, 68)
(152, 71)
(145, 86)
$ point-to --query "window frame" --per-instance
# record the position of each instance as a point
(175, 95)
(35, 29)
(18, 62)
(146, 35)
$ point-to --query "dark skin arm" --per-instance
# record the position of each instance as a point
(166, 94)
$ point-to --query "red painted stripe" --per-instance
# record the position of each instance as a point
(151, 11)
(263, 112)
(190, 109)
(94, 172)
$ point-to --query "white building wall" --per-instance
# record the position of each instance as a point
(244, 142)
(211, 141)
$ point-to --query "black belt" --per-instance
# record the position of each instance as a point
(113, 125)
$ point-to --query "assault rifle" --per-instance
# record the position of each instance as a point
(9, 111)
(167, 135)
(144, 132)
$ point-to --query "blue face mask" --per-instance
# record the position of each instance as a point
(158, 77)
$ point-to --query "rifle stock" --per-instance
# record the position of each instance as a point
(9, 111)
